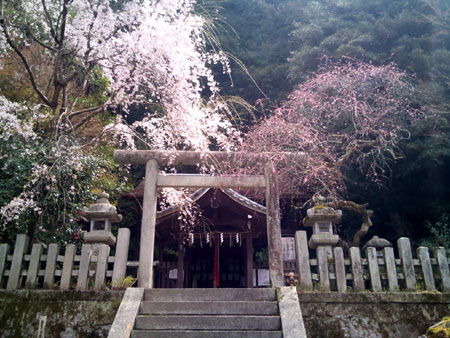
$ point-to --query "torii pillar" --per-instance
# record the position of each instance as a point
(152, 160)
(276, 268)
(148, 227)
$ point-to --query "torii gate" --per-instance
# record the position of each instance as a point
(153, 159)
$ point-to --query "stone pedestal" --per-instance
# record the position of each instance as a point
(326, 241)
(99, 237)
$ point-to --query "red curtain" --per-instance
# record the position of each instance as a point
(216, 264)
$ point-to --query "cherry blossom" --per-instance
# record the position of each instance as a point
(153, 53)
(350, 113)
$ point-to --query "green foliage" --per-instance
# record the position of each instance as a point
(127, 282)
(439, 233)
(45, 183)
(259, 37)
(97, 90)
(58, 184)
(410, 33)
(439, 330)
(281, 43)
(418, 189)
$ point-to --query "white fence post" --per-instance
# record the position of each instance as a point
(120, 260)
(375, 281)
(404, 250)
(427, 270)
(17, 262)
(33, 267)
(83, 272)
(102, 266)
(303, 265)
(391, 269)
(339, 264)
(66, 274)
(50, 266)
(441, 257)
(4, 252)
(322, 261)
(357, 271)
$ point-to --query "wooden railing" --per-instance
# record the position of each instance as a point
(371, 270)
(47, 268)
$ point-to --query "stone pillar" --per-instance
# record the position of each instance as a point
(303, 264)
(273, 227)
(147, 245)
(120, 261)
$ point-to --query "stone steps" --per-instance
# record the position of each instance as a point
(210, 294)
(207, 322)
(262, 308)
(206, 334)
(208, 313)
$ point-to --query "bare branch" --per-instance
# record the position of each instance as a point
(50, 22)
(91, 113)
(96, 109)
(63, 23)
(40, 42)
(360, 209)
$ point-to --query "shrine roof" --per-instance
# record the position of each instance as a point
(245, 202)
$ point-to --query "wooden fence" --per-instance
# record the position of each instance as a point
(50, 270)
(94, 268)
(372, 270)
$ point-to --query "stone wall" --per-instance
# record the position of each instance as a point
(69, 313)
(368, 315)
(90, 314)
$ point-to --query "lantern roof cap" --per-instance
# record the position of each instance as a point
(102, 209)
(321, 212)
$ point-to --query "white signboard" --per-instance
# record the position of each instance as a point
(288, 248)
(173, 274)
(263, 277)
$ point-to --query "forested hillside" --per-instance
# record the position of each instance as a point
(363, 87)
(282, 44)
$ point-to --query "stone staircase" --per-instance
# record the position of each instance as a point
(208, 313)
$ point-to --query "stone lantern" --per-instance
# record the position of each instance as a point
(322, 218)
(101, 214)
